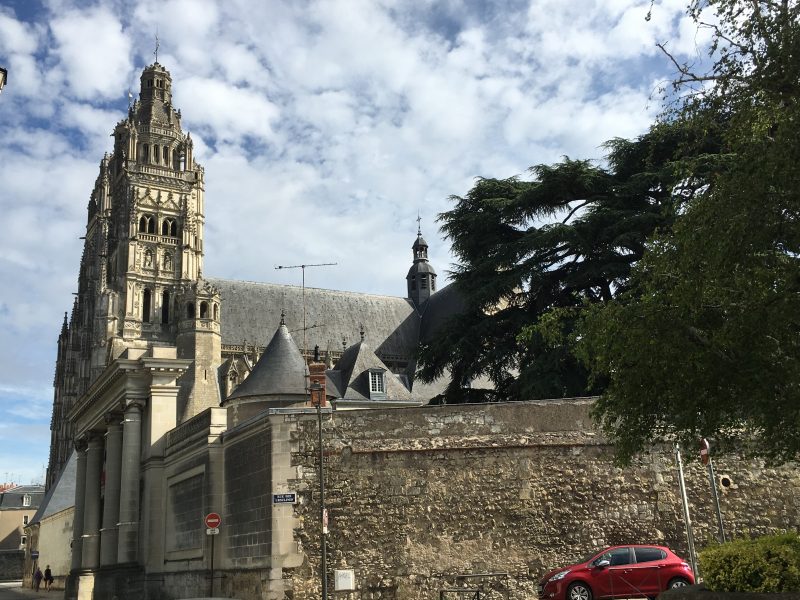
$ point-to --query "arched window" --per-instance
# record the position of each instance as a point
(143, 224)
(169, 227)
(190, 310)
(216, 311)
(155, 153)
(203, 310)
(166, 155)
(176, 160)
(151, 224)
(146, 306)
(165, 307)
(145, 152)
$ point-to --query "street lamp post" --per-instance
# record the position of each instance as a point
(316, 398)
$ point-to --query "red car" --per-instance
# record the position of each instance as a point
(618, 572)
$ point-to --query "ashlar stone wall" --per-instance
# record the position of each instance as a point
(491, 496)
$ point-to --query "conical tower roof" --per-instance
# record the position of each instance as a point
(281, 370)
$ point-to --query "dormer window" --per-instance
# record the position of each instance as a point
(26, 500)
(377, 383)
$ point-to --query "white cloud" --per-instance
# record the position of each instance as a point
(95, 69)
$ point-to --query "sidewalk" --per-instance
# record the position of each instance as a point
(13, 590)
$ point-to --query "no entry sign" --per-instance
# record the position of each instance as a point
(213, 520)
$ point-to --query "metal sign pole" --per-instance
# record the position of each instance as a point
(713, 480)
(686, 518)
(212, 565)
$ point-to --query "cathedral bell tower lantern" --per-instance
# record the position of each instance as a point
(421, 278)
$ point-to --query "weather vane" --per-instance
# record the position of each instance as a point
(157, 45)
(419, 224)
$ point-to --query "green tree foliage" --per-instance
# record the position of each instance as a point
(705, 341)
(530, 250)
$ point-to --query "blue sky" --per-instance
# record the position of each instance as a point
(324, 128)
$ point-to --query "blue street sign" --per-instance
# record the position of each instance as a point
(288, 498)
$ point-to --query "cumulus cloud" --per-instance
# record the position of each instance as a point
(97, 69)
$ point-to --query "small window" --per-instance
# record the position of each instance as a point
(24, 519)
(26, 500)
(155, 153)
(423, 282)
(649, 554)
(376, 382)
(203, 310)
(216, 311)
(166, 155)
(143, 225)
(23, 541)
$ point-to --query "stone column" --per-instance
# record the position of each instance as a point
(90, 551)
(128, 548)
(109, 538)
(80, 494)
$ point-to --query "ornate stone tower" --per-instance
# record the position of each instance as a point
(143, 246)
(421, 278)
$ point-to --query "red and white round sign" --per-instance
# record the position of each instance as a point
(213, 520)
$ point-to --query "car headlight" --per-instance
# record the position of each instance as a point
(558, 576)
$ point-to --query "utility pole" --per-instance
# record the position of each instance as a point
(314, 392)
(303, 269)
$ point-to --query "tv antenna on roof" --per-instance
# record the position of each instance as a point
(303, 269)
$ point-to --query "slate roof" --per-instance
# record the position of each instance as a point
(62, 494)
(280, 371)
(250, 309)
(12, 498)
(442, 305)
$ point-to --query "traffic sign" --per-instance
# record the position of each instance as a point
(213, 520)
(212, 531)
(705, 449)
(34, 554)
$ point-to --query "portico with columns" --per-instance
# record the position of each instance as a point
(121, 426)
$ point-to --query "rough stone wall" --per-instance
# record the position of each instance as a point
(419, 497)
(11, 564)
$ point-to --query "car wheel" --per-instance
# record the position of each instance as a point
(678, 582)
(579, 591)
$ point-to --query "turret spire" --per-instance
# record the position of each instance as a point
(421, 278)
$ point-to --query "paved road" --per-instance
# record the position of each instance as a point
(13, 590)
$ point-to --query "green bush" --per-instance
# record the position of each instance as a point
(766, 564)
